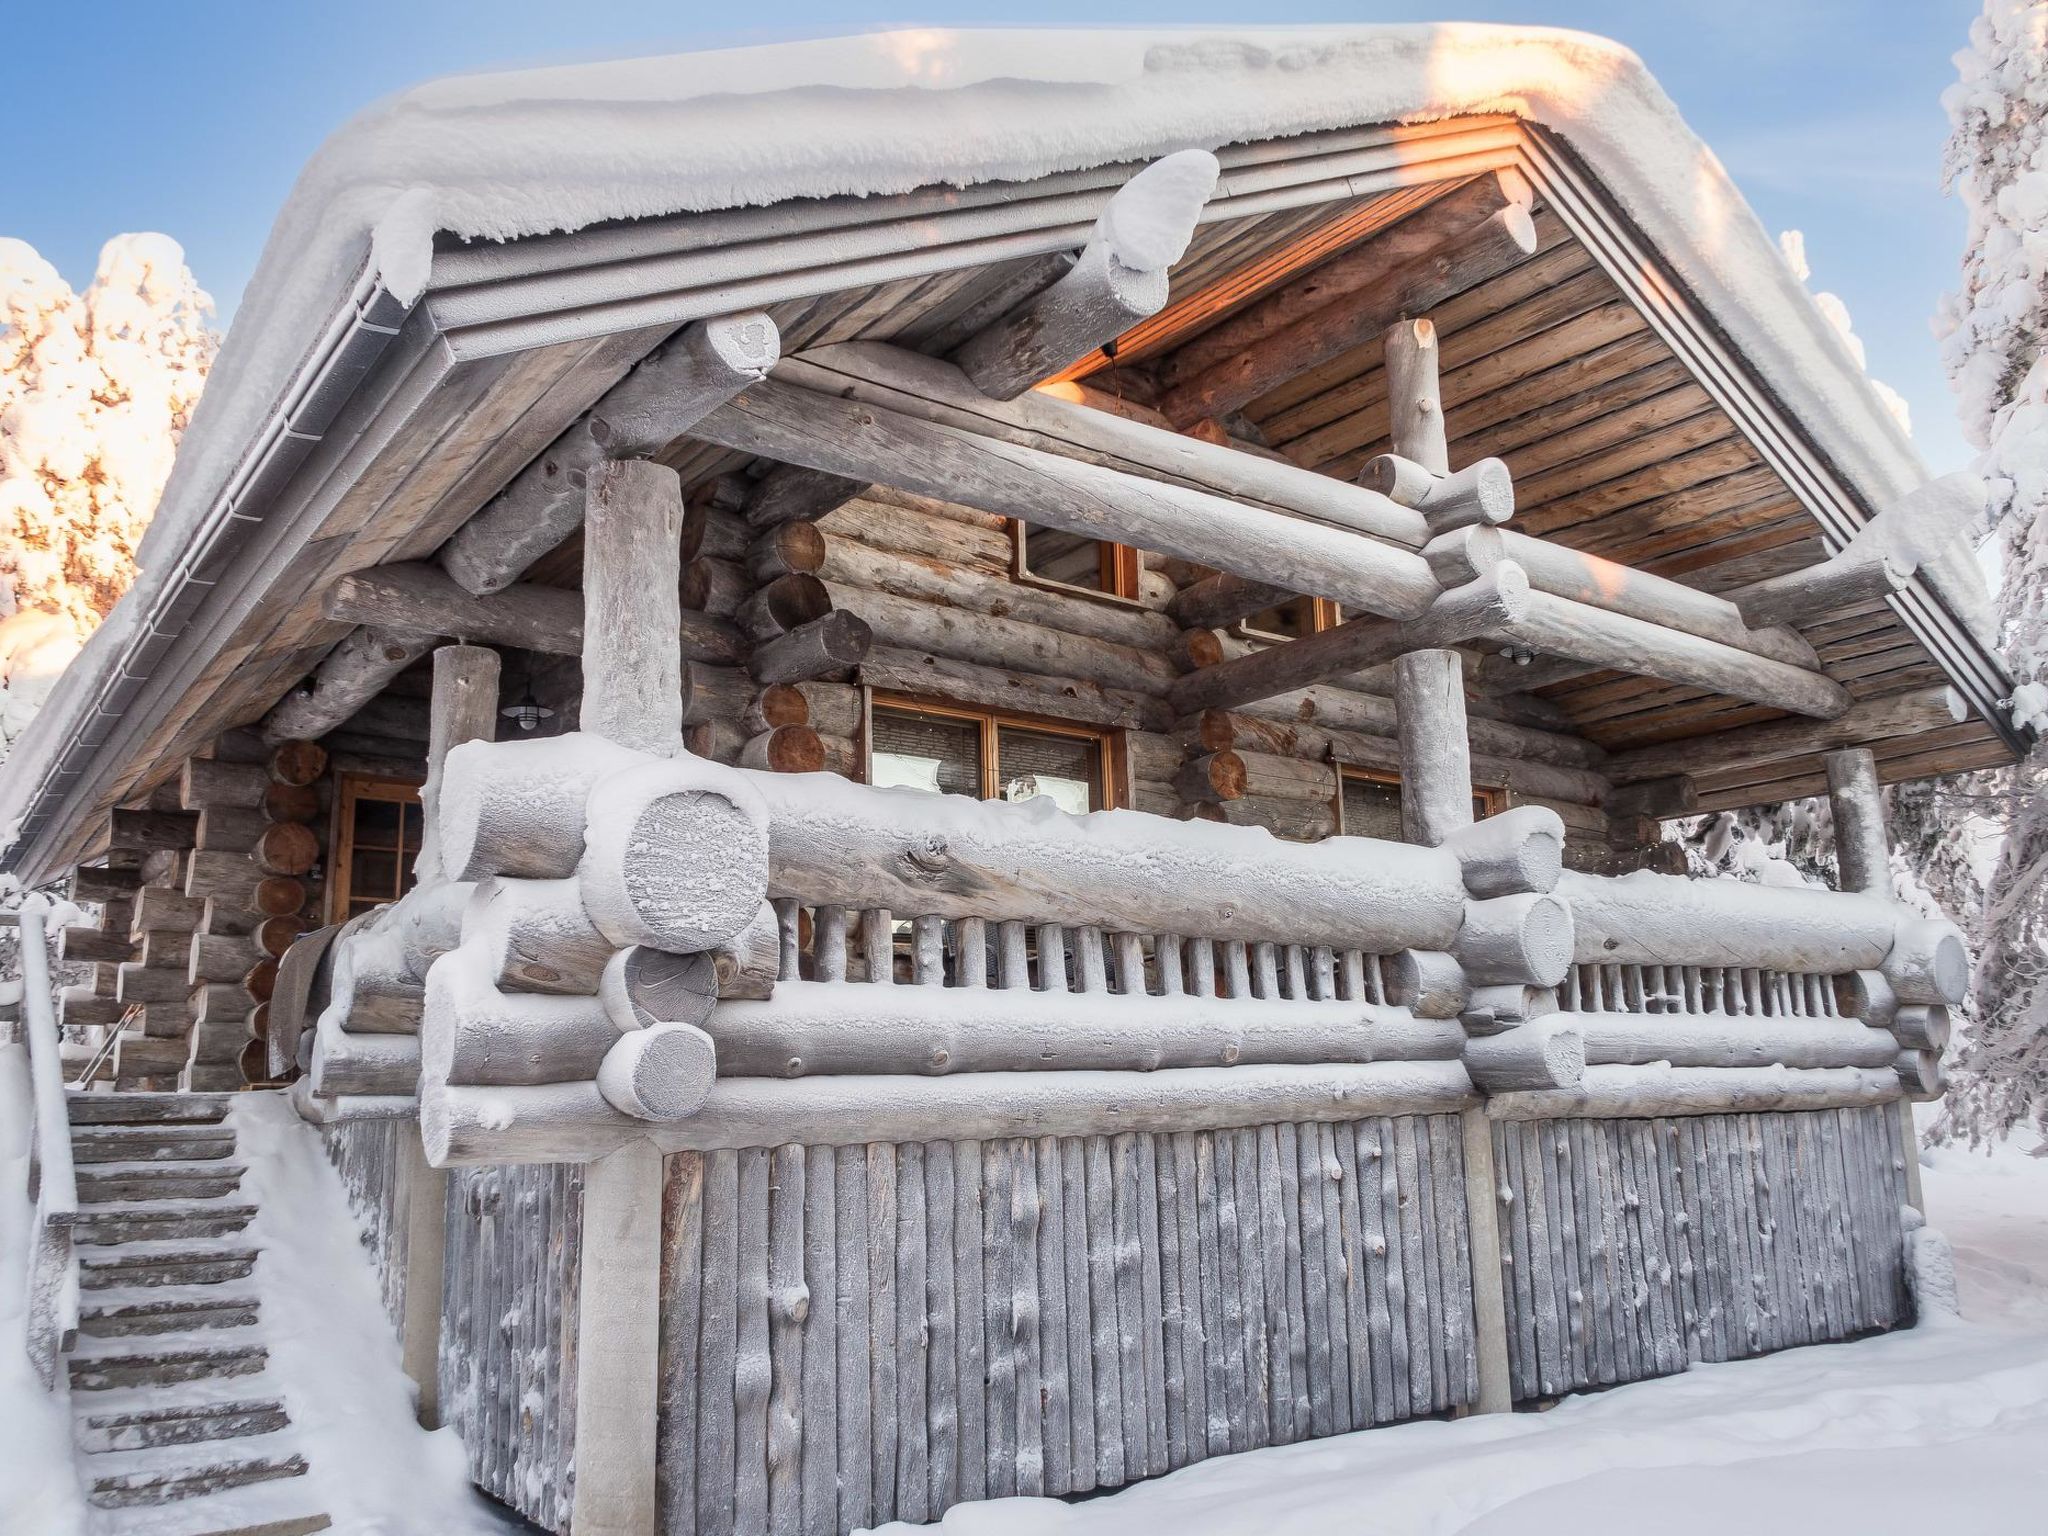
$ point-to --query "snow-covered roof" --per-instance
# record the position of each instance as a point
(501, 156)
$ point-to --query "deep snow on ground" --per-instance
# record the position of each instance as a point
(1941, 1428)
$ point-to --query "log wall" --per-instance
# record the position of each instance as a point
(1634, 1248)
(861, 1334)
(508, 1330)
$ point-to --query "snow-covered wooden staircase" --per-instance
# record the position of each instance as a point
(174, 1423)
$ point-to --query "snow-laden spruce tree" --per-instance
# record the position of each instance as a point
(1992, 331)
(95, 389)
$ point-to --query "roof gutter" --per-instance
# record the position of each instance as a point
(362, 327)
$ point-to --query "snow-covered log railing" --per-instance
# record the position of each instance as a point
(51, 1316)
(1718, 996)
(652, 937)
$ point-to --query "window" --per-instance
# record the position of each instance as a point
(377, 827)
(1292, 619)
(1048, 557)
(1369, 804)
(944, 749)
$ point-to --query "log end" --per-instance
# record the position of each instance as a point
(663, 1072)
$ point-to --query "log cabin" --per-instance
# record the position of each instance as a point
(941, 758)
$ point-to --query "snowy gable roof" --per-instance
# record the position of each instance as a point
(538, 151)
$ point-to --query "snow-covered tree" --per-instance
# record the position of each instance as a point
(1992, 331)
(95, 390)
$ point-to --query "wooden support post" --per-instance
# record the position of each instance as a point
(423, 1214)
(1415, 402)
(1863, 863)
(1489, 1298)
(632, 665)
(1436, 761)
(618, 1344)
(354, 673)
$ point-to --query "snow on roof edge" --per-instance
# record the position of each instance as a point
(504, 155)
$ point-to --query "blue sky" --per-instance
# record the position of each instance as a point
(194, 119)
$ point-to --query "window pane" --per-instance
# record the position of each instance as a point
(1290, 621)
(1066, 557)
(376, 823)
(372, 875)
(936, 753)
(1372, 808)
(1068, 769)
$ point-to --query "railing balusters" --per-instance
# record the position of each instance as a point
(1088, 967)
(1201, 967)
(1297, 974)
(1130, 964)
(878, 944)
(1237, 970)
(928, 951)
(828, 943)
(1166, 956)
(1265, 971)
(1052, 958)
(1325, 972)
(790, 967)
(1013, 963)
(970, 939)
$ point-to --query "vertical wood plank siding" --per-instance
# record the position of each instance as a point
(365, 1154)
(931, 1322)
(508, 1330)
(1633, 1248)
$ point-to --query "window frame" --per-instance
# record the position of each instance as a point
(990, 722)
(1491, 796)
(1120, 567)
(349, 789)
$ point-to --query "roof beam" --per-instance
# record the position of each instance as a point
(1119, 280)
(703, 366)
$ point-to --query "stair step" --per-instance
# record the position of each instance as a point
(165, 1364)
(181, 1424)
(146, 1108)
(166, 1315)
(196, 1520)
(151, 1143)
(138, 1182)
(130, 1224)
(193, 1478)
(172, 1266)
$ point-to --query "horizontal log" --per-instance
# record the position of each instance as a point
(1481, 606)
(1720, 1040)
(87, 944)
(160, 910)
(352, 674)
(287, 802)
(151, 984)
(536, 936)
(1047, 420)
(819, 1028)
(231, 878)
(146, 829)
(573, 1123)
(1518, 850)
(1652, 919)
(788, 549)
(204, 782)
(1928, 963)
(346, 1063)
(90, 883)
(790, 493)
(1232, 775)
(714, 693)
(1544, 1054)
(991, 640)
(906, 671)
(1634, 1093)
(804, 426)
(77, 1007)
(1300, 821)
(480, 1035)
(1556, 626)
(422, 597)
(661, 1073)
(517, 808)
(1220, 600)
(165, 950)
(543, 504)
(149, 1056)
(950, 856)
(216, 957)
(824, 647)
(233, 828)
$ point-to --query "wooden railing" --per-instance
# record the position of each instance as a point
(52, 1316)
(831, 943)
